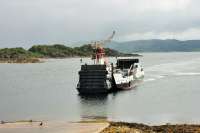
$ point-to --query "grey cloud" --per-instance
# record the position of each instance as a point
(28, 22)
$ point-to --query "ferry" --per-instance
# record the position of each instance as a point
(104, 77)
(127, 73)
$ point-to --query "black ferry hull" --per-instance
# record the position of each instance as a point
(94, 79)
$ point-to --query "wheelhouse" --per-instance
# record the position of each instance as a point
(126, 62)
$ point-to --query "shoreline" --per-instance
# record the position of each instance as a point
(21, 61)
(125, 127)
(53, 127)
(42, 60)
(94, 126)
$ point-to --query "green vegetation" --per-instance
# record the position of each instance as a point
(20, 55)
(17, 55)
(61, 51)
(52, 51)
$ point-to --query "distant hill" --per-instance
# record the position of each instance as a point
(156, 45)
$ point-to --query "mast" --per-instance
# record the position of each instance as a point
(99, 50)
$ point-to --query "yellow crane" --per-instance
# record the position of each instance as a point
(101, 43)
(99, 51)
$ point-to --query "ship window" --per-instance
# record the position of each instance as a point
(126, 63)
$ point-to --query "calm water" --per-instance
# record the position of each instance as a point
(47, 91)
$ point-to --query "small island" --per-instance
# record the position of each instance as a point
(17, 55)
(37, 52)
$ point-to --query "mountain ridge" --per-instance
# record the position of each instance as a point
(156, 45)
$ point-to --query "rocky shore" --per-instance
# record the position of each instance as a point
(122, 127)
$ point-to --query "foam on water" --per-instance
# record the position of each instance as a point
(179, 68)
(187, 74)
(150, 79)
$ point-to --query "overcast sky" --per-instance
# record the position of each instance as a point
(28, 22)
